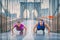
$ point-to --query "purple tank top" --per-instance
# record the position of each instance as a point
(21, 27)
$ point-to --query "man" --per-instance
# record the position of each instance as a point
(19, 27)
(41, 26)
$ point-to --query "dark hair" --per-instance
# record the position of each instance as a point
(18, 22)
(41, 19)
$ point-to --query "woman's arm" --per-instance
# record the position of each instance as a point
(25, 29)
(12, 30)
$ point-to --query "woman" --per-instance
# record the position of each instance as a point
(19, 27)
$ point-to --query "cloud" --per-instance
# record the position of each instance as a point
(45, 4)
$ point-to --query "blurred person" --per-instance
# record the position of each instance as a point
(41, 25)
(19, 27)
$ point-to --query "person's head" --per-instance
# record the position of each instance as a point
(18, 22)
(41, 21)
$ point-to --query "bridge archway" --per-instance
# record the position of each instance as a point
(32, 7)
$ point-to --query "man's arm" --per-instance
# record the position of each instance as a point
(47, 26)
(35, 27)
